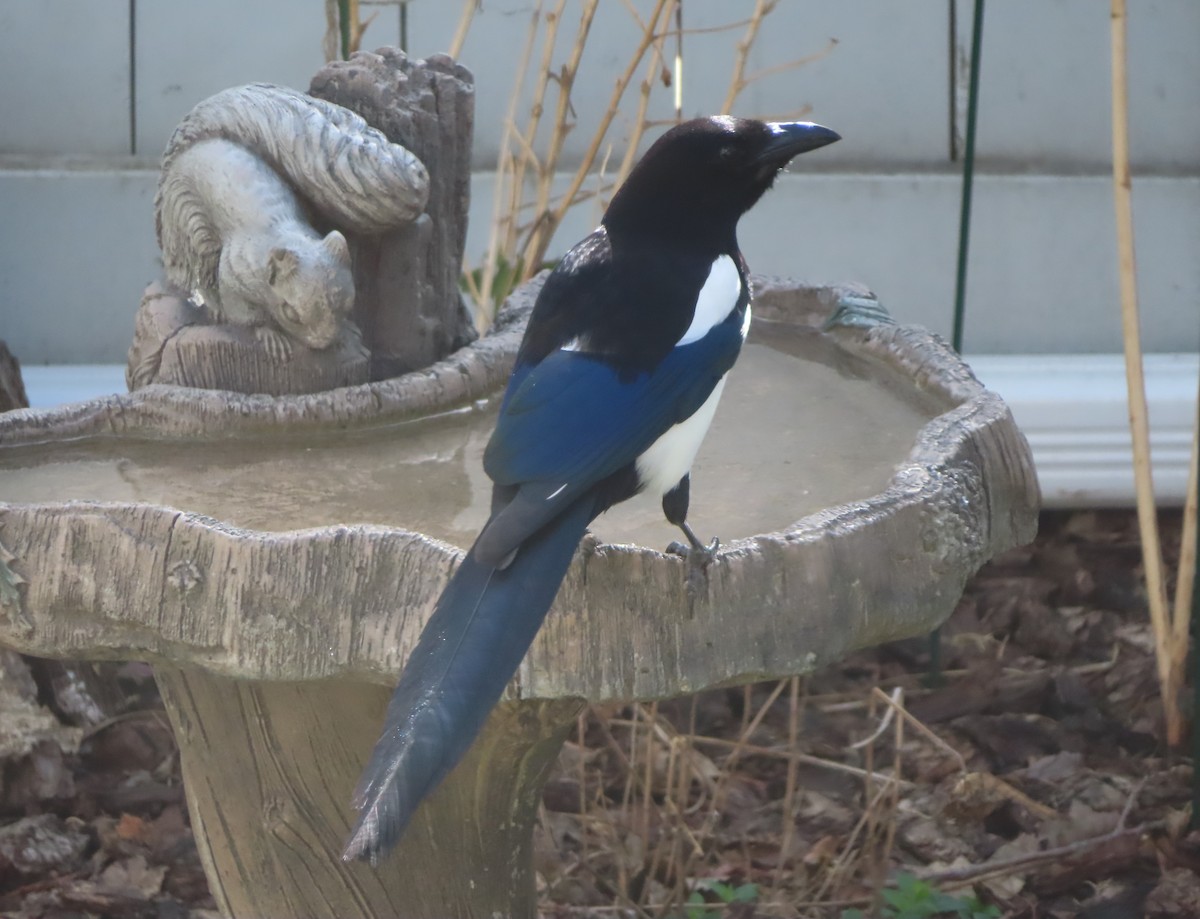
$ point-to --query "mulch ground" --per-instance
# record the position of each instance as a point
(1034, 781)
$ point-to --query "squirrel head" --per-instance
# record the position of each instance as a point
(312, 289)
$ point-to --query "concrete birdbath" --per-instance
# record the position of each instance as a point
(276, 559)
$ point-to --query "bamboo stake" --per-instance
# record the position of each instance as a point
(1169, 677)
(464, 26)
(1187, 609)
(1185, 583)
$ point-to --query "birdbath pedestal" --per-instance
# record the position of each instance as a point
(241, 544)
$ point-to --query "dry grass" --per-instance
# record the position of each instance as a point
(535, 186)
(653, 796)
(663, 810)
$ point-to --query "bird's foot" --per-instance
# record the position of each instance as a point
(699, 558)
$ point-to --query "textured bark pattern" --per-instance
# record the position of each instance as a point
(270, 768)
(174, 344)
(349, 602)
(408, 302)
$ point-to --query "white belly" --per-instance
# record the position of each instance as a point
(669, 458)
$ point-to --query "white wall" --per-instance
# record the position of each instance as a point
(89, 94)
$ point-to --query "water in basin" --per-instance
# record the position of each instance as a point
(802, 425)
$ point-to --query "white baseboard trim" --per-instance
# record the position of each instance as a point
(1073, 410)
(1071, 407)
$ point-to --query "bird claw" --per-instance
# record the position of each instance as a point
(675, 547)
(699, 559)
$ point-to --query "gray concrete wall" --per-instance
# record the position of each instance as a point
(89, 94)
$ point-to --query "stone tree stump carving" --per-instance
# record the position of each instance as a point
(268, 210)
(409, 303)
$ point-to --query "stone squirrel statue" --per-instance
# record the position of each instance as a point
(242, 177)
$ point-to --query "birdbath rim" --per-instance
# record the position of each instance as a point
(353, 598)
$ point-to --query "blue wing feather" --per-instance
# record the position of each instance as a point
(574, 419)
(470, 648)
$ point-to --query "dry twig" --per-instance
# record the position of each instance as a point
(999, 867)
(969, 874)
(1170, 632)
(789, 794)
(464, 25)
(527, 208)
(748, 749)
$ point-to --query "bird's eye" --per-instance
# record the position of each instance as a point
(289, 312)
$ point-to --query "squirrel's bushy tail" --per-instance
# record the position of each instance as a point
(348, 169)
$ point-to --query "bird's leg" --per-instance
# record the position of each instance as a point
(695, 546)
(698, 555)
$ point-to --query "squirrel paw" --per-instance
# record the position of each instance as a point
(278, 346)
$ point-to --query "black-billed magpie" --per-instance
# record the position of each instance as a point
(614, 386)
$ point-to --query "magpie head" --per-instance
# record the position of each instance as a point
(702, 175)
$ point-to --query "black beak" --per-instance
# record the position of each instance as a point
(791, 138)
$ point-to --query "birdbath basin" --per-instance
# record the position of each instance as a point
(276, 559)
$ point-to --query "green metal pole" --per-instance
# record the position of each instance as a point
(344, 27)
(964, 218)
(1195, 630)
(964, 241)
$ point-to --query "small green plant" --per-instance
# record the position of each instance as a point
(700, 907)
(506, 278)
(913, 898)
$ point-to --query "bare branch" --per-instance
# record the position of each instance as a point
(789, 65)
(539, 240)
(1000, 866)
(464, 25)
(761, 9)
(535, 252)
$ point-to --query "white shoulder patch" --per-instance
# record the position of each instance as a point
(718, 297)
